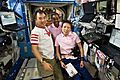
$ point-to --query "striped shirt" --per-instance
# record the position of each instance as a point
(42, 38)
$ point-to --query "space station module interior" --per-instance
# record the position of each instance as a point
(96, 22)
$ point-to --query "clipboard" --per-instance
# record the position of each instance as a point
(71, 70)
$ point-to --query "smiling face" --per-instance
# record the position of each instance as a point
(66, 28)
(55, 19)
(41, 19)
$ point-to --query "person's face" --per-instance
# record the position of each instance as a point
(55, 19)
(66, 28)
(41, 20)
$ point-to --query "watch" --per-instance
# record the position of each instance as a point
(41, 60)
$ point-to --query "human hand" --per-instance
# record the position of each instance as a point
(47, 66)
(62, 64)
(81, 64)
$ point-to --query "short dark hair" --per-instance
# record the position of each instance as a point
(54, 13)
(69, 22)
(38, 11)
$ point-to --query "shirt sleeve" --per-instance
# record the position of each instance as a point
(56, 41)
(34, 39)
(49, 27)
(77, 40)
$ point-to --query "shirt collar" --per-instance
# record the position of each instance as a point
(41, 27)
(53, 26)
(70, 33)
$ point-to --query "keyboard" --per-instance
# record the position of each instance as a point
(87, 18)
(91, 37)
(112, 52)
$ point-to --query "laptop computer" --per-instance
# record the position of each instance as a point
(112, 49)
(89, 9)
(8, 21)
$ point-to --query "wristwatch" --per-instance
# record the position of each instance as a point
(41, 60)
(60, 60)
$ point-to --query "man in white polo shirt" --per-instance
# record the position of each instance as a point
(42, 48)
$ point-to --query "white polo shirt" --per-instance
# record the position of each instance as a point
(42, 38)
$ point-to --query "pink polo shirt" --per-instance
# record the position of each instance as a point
(54, 30)
(66, 43)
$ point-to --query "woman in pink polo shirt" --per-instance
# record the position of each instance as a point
(55, 27)
(64, 43)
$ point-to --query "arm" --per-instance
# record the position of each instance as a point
(58, 55)
(81, 49)
(36, 53)
(81, 54)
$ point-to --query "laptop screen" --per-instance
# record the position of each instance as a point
(115, 37)
(8, 19)
(89, 7)
(117, 21)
